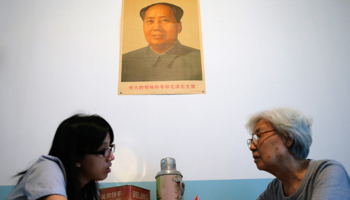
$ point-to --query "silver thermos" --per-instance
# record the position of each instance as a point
(169, 181)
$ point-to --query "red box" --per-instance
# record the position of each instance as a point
(126, 192)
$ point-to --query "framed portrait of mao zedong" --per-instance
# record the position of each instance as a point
(161, 48)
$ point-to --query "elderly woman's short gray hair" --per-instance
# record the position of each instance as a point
(289, 123)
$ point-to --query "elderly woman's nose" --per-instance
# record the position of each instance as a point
(252, 146)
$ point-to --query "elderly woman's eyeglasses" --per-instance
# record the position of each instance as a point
(255, 138)
(106, 152)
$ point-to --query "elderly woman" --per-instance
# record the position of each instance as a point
(280, 144)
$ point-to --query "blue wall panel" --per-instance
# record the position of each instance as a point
(245, 189)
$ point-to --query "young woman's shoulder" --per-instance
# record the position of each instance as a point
(48, 163)
(45, 177)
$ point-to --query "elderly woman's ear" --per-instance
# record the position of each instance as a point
(288, 141)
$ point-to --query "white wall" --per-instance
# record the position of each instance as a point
(61, 57)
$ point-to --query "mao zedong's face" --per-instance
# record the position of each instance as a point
(161, 28)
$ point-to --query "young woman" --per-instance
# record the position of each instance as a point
(80, 155)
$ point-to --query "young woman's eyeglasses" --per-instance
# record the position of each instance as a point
(106, 152)
(255, 138)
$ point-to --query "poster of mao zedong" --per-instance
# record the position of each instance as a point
(161, 48)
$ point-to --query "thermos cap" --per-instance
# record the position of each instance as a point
(168, 167)
(168, 163)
